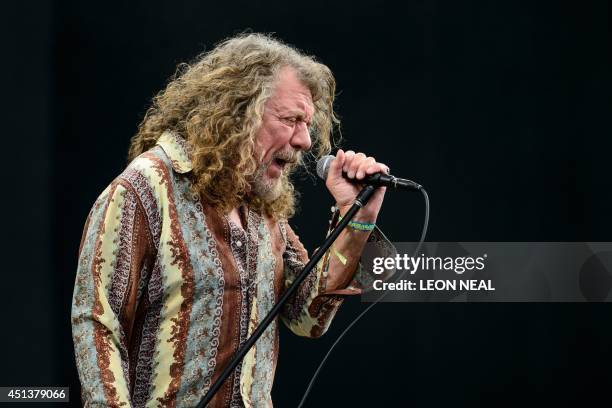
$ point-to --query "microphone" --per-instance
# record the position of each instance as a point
(376, 180)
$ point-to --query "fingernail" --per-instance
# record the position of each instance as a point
(360, 174)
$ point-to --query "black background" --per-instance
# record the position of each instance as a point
(500, 109)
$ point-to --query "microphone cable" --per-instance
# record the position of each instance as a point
(322, 363)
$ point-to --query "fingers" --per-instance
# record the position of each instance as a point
(377, 168)
(358, 165)
(352, 164)
(365, 164)
(335, 168)
(350, 155)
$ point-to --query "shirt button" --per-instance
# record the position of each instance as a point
(238, 244)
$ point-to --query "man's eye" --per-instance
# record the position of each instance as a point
(290, 120)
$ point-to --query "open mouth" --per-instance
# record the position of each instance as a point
(280, 162)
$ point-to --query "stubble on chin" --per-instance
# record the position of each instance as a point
(269, 189)
(266, 188)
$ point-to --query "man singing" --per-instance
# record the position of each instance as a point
(186, 251)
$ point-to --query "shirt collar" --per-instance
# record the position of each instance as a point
(178, 150)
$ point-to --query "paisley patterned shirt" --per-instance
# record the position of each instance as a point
(167, 290)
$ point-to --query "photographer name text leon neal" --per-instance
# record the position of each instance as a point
(435, 284)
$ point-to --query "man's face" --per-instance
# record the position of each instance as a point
(283, 133)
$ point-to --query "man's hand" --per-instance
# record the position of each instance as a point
(356, 166)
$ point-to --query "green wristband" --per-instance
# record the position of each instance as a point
(360, 226)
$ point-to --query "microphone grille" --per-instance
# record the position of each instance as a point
(323, 166)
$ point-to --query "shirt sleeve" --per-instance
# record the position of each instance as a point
(111, 265)
(310, 310)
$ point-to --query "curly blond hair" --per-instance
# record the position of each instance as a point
(216, 104)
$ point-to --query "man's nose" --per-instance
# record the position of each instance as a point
(301, 137)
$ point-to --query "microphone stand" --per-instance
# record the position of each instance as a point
(360, 201)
